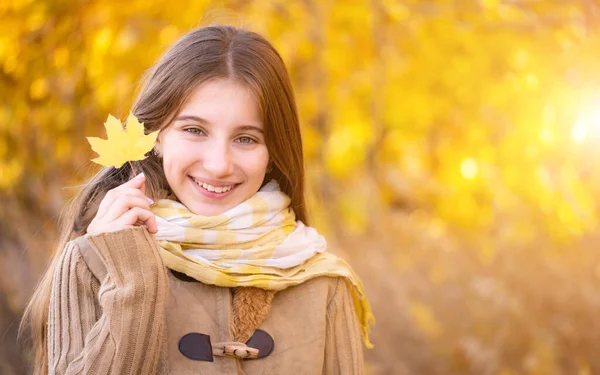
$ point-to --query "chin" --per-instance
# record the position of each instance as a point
(209, 211)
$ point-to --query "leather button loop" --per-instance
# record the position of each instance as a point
(262, 341)
(196, 346)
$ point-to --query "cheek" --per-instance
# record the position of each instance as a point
(259, 163)
(253, 164)
(176, 160)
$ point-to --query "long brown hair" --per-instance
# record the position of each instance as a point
(213, 52)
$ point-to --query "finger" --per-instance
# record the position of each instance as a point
(138, 182)
(142, 186)
(151, 224)
(106, 202)
(123, 204)
(136, 214)
(133, 192)
(113, 194)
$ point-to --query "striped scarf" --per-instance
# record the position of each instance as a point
(258, 243)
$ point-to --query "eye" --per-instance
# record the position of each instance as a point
(245, 140)
(195, 131)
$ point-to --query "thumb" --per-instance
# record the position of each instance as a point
(137, 182)
(142, 186)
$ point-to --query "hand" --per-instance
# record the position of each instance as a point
(125, 206)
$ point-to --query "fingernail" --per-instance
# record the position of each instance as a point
(150, 200)
(140, 175)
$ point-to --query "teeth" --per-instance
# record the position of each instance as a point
(214, 189)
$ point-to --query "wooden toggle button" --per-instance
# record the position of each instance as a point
(240, 351)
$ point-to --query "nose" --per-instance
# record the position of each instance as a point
(218, 160)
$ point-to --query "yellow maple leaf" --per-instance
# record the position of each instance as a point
(122, 144)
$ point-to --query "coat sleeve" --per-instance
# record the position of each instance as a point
(114, 325)
(343, 345)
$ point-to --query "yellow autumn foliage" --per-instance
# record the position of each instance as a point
(451, 149)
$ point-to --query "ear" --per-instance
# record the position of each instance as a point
(157, 149)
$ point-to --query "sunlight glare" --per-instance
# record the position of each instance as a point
(587, 125)
(579, 132)
(469, 168)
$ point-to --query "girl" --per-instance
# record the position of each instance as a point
(203, 264)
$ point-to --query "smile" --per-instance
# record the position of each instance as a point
(213, 189)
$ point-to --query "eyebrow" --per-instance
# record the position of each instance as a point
(205, 122)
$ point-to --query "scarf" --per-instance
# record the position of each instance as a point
(258, 243)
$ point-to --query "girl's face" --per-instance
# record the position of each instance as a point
(214, 152)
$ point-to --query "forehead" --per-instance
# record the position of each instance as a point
(222, 98)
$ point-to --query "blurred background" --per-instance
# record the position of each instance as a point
(452, 151)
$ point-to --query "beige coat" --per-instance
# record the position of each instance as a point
(116, 309)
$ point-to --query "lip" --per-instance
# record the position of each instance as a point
(210, 194)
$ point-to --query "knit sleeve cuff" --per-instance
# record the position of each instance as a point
(128, 256)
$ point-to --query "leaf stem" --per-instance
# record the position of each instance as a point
(132, 168)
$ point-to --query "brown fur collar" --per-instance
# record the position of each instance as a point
(250, 307)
